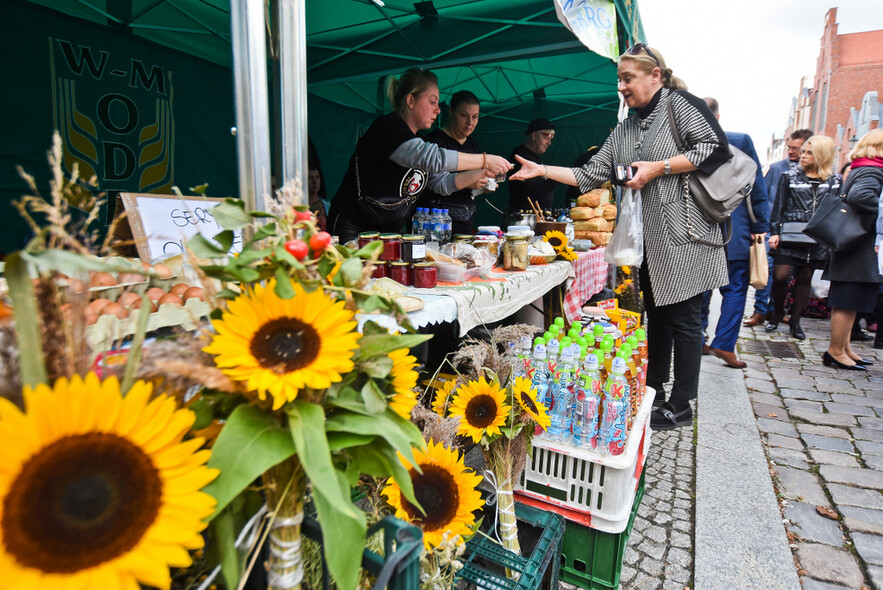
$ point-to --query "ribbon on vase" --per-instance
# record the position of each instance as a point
(508, 530)
(288, 553)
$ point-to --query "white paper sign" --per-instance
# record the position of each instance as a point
(593, 22)
(162, 224)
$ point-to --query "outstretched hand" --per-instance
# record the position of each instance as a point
(497, 165)
(528, 169)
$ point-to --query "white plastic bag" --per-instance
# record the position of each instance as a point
(820, 287)
(626, 247)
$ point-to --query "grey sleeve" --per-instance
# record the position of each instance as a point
(443, 183)
(597, 171)
(416, 153)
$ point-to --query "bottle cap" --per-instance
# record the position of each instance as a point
(618, 366)
(582, 341)
(626, 350)
(597, 330)
(559, 321)
(606, 346)
(566, 342)
(566, 355)
(599, 354)
(641, 334)
(591, 363)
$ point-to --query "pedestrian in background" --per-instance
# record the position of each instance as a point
(677, 269)
(745, 232)
(799, 193)
(763, 307)
(855, 275)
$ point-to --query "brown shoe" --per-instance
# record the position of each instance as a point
(728, 357)
(755, 319)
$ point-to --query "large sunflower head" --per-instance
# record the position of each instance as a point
(445, 488)
(568, 254)
(527, 399)
(442, 402)
(404, 379)
(280, 346)
(96, 489)
(482, 408)
(556, 239)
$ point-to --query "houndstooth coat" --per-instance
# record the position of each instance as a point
(679, 268)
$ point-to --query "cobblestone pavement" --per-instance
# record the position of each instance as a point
(823, 432)
(660, 550)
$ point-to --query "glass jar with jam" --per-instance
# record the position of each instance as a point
(366, 237)
(400, 272)
(515, 253)
(392, 247)
(413, 248)
(381, 270)
(425, 275)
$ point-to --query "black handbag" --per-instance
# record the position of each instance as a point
(838, 225)
(792, 234)
(383, 212)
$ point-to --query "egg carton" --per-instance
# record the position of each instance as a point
(109, 329)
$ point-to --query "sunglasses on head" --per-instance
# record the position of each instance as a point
(637, 48)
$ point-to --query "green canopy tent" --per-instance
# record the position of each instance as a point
(514, 54)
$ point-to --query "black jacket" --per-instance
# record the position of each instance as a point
(862, 188)
(798, 197)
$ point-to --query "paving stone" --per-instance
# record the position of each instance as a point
(830, 564)
(770, 425)
(855, 398)
(867, 447)
(681, 540)
(864, 520)
(876, 574)
(770, 411)
(810, 584)
(654, 550)
(788, 457)
(869, 547)
(867, 434)
(874, 462)
(760, 373)
(801, 485)
(823, 430)
(765, 386)
(833, 458)
(828, 382)
(850, 496)
(771, 399)
(811, 526)
(866, 478)
(805, 394)
(787, 442)
(676, 577)
(814, 441)
(802, 404)
(873, 423)
(851, 409)
(831, 419)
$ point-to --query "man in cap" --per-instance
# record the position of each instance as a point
(539, 137)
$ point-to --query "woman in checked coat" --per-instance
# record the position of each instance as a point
(677, 266)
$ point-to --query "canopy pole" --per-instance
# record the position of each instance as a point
(293, 84)
(252, 109)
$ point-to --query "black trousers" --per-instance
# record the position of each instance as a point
(675, 328)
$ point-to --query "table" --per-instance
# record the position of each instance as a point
(591, 272)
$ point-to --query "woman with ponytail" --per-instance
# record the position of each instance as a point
(679, 264)
(391, 165)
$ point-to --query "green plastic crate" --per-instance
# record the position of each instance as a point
(593, 559)
(486, 561)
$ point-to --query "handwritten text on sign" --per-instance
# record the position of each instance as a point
(593, 22)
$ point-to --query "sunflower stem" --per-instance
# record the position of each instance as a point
(501, 466)
(286, 490)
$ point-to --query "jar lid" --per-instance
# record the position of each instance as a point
(400, 263)
(427, 264)
(412, 238)
(382, 263)
(485, 238)
(462, 237)
(369, 234)
(390, 236)
(488, 228)
(516, 238)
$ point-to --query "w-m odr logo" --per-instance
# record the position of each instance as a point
(115, 117)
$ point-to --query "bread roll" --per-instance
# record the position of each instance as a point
(594, 224)
(583, 234)
(593, 198)
(610, 225)
(602, 238)
(609, 211)
(579, 213)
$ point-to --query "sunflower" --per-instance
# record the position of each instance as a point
(441, 403)
(482, 408)
(557, 240)
(527, 399)
(97, 490)
(568, 254)
(281, 345)
(446, 489)
(404, 379)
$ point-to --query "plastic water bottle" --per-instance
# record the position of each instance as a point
(552, 349)
(426, 224)
(587, 414)
(538, 371)
(449, 224)
(438, 227)
(416, 221)
(615, 414)
(561, 391)
(524, 356)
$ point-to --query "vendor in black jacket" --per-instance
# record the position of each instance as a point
(392, 164)
(540, 190)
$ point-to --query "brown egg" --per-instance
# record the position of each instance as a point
(197, 292)
(66, 312)
(130, 300)
(98, 304)
(162, 271)
(103, 279)
(90, 316)
(76, 285)
(114, 308)
(179, 289)
(147, 266)
(130, 277)
(170, 298)
(154, 293)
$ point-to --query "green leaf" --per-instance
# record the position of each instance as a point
(343, 526)
(231, 214)
(373, 396)
(68, 262)
(351, 270)
(205, 248)
(204, 414)
(268, 230)
(27, 321)
(225, 239)
(381, 460)
(133, 361)
(251, 442)
(199, 189)
(400, 433)
(375, 302)
(283, 255)
(223, 548)
(369, 249)
(345, 440)
(284, 288)
(249, 256)
(244, 274)
(375, 345)
(378, 366)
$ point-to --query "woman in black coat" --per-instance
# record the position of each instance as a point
(855, 275)
(800, 192)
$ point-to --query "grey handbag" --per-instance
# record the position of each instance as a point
(719, 193)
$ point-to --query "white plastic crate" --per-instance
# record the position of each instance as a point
(588, 487)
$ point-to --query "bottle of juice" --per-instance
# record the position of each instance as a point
(613, 430)
(561, 390)
(631, 374)
(587, 412)
(607, 349)
(598, 334)
(641, 335)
